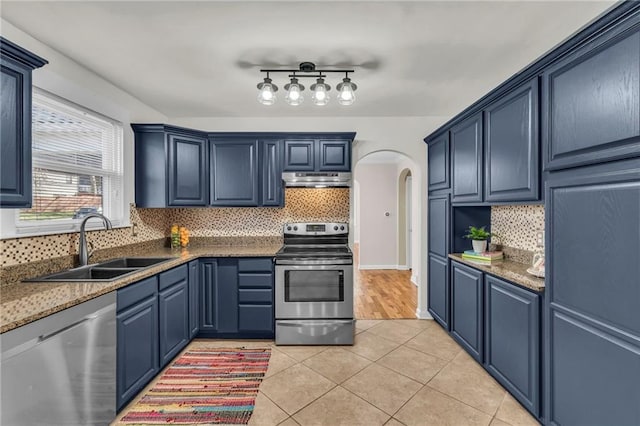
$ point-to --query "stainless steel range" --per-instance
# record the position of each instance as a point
(314, 285)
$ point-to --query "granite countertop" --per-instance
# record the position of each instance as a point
(511, 271)
(22, 302)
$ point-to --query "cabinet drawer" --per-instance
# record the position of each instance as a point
(255, 295)
(263, 264)
(255, 317)
(255, 280)
(137, 292)
(173, 276)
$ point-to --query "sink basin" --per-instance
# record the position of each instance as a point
(106, 271)
(133, 262)
(87, 273)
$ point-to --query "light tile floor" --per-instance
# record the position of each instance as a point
(399, 372)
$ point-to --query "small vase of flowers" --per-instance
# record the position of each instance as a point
(478, 237)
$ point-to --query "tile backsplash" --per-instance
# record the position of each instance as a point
(301, 205)
(517, 226)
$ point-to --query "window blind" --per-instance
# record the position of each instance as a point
(77, 164)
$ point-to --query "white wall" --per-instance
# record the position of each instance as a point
(70, 80)
(378, 232)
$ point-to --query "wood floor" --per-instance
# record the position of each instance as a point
(383, 294)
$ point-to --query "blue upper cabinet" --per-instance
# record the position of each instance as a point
(188, 171)
(234, 172)
(334, 155)
(466, 163)
(171, 166)
(439, 162)
(15, 122)
(511, 146)
(299, 155)
(320, 152)
(591, 102)
(271, 173)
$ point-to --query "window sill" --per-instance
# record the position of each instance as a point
(36, 231)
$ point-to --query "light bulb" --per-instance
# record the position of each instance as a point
(267, 92)
(294, 92)
(320, 89)
(346, 95)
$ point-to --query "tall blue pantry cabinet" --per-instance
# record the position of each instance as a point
(565, 131)
(591, 145)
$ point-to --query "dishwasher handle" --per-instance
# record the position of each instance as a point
(45, 337)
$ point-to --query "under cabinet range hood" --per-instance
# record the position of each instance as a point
(317, 179)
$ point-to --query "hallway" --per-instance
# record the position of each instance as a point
(383, 294)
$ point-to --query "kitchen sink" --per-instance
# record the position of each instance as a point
(133, 262)
(106, 271)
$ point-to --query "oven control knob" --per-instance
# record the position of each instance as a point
(335, 228)
(295, 228)
(342, 228)
(288, 228)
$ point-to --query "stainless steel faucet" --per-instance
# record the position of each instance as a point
(83, 251)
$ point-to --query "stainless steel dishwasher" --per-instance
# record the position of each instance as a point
(61, 370)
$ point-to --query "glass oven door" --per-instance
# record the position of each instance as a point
(314, 291)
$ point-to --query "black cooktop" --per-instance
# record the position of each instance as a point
(314, 251)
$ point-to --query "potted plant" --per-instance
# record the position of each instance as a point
(478, 237)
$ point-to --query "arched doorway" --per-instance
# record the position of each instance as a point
(386, 215)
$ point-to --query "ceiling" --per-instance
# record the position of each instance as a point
(201, 58)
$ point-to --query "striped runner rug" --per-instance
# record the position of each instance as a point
(204, 386)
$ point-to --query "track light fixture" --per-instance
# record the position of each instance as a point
(320, 89)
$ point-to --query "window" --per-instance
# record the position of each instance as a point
(77, 166)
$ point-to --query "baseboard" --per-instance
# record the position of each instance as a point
(423, 314)
(414, 280)
(403, 268)
(362, 267)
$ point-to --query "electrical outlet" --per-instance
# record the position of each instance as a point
(540, 239)
(134, 231)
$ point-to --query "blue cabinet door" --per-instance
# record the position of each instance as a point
(208, 289)
(466, 160)
(188, 166)
(467, 308)
(593, 295)
(334, 155)
(234, 172)
(271, 173)
(227, 294)
(591, 102)
(15, 122)
(173, 307)
(439, 162)
(137, 350)
(439, 291)
(512, 344)
(299, 155)
(438, 225)
(511, 146)
(194, 298)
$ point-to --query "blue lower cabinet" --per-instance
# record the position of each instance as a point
(194, 298)
(255, 318)
(173, 306)
(236, 298)
(467, 325)
(512, 339)
(439, 289)
(137, 344)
